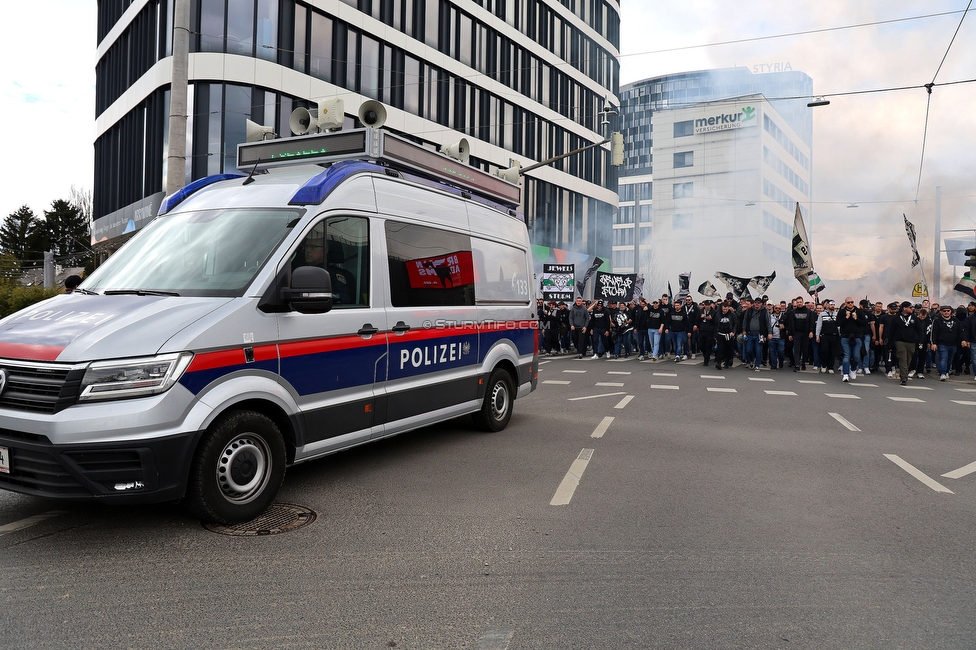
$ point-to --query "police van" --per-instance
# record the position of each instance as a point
(343, 288)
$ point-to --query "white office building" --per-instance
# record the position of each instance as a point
(727, 178)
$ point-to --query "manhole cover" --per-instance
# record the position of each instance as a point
(279, 518)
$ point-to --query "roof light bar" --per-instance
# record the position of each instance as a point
(377, 145)
(180, 195)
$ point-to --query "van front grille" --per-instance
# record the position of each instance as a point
(41, 388)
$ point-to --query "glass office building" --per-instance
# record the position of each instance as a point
(785, 93)
(519, 79)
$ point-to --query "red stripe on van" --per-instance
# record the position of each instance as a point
(315, 346)
(30, 351)
(220, 359)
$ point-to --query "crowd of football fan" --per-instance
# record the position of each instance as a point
(860, 336)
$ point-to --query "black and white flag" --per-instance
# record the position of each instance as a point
(597, 263)
(684, 285)
(707, 289)
(910, 229)
(615, 286)
(762, 282)
(738, 286)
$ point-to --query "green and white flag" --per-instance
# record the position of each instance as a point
(802, 260)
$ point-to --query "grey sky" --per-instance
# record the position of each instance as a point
(867, 147)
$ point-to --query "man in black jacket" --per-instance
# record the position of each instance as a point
(726, 325)
(969, 336)
(851, 321)
(907, 335)
(800, 327)
(946, 337)
(706, 330)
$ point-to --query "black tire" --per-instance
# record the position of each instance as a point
(496, 410)
(237, 470)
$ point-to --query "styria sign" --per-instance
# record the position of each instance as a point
(726, 121)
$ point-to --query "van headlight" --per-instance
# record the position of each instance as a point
(132, 377)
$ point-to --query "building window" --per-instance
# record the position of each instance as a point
(646, 191)
(684, 159)
(682, 221)
(682, 129)
(684, 190)
(645, 213)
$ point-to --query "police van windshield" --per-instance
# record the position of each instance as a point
(204, 253)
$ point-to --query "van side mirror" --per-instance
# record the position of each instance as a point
(310, 291)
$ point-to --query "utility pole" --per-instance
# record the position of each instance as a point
(176, 155)
(937, 280)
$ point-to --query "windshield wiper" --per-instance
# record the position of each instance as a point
(139, 292)
(85, 291)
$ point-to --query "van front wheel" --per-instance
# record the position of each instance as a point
(496, 410)
(237, 470)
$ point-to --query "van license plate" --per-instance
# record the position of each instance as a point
(4, 460)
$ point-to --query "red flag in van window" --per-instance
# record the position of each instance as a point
(444, 272)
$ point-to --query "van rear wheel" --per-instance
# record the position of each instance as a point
(238, 469)
(496, 410)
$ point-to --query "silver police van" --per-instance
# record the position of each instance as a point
(343, 288)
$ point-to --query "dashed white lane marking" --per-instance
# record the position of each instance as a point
(602, 427)
(576, 399)
(576, 372)
(30, 521)
(840, 418)
(566, 489)
(618, 372)
(938, 487)
(495, 639)
(906, 399)
(761, 379)
(624, 402)
(842, 396)
(616, 384)
(542, 363)
(964, 403)
(962, 471)
(861, 383)
(811, 381)
(916, 388)
(713, 376)
(555, 381)
(966, 390)
(713, 389)
(664, 387)
(780, 392)
(665, 374)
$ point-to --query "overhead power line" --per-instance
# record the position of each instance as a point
(791, 34)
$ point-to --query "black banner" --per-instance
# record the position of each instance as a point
(615, 286)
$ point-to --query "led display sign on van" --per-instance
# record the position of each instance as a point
(726, 121)
(294, 149)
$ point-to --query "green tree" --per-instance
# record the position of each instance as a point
(22, 235)
(68, 233)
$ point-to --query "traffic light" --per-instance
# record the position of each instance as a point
(617, 148)
(966, 284)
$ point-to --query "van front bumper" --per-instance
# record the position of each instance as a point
(139, 471)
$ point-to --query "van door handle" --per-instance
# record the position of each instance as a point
(367, 330)
(400, 327)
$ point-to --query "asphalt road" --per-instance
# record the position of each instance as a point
(755, 510)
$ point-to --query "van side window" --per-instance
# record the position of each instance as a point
(340, 245)
(501, 275)
(429, 267)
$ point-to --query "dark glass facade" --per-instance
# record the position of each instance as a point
(502, 94)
